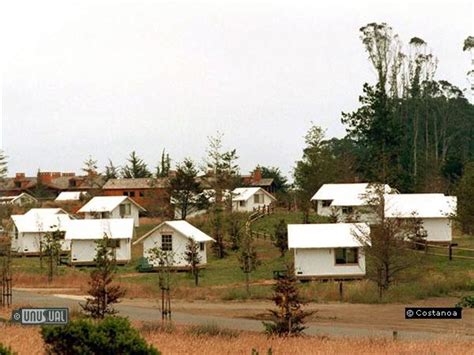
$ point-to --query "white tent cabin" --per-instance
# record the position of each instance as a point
(435, 211)
(173, 236)
(112, 207)
(328, 251)
(247, 199)
(67, 196)
(83, 235)
(30, 229)
(346, 200)
(19, 200)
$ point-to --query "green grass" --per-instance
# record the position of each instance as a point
(268, 223)
(223, 278)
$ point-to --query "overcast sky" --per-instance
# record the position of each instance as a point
(103, 78)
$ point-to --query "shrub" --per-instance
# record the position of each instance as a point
(5, 350)
(212, 329)
(466, 302)
(112, 335)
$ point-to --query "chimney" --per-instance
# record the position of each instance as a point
(45, 177)
(257, 174)
(19, 175)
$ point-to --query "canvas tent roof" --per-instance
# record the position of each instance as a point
(345, 194)
(40, 223)
(69, 196)
(184, 228)
(84, 229)
(419, 205)
(12, 199)
(106, 204)
(244, 193)
(327, 235)
(45, 211)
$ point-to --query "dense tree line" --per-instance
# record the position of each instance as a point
(410, 130)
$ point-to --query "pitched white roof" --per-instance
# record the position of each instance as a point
(118, 228)
(40, 223)
(419, 205)
(44, 211)
(12, 199)
(69, 196)
(345, 194)
(183, 227)
(327, 235)
(244, 193)
(105, 204)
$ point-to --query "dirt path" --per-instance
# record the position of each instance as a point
(333, 319)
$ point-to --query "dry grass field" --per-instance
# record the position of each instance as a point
(27, 340)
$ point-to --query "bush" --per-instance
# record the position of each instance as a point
(466, 302)
(5, 350)
(212, 329)
(112, 335)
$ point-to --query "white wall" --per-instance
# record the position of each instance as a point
(29, 243)
(116, 214)
(438, 229)
(323, 211)
(84, 251)
(250, 204)
(322, 262)
(179, 246)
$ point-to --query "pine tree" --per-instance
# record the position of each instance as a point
(184, 188)
(288, 318)
(248, 258)
(103, 293)
(51, 246)
(193, 258)
(136, 168)
(280, 238)
(163, 169)
(90, 166)
(111, 171)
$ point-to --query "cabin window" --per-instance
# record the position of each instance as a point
(125, 193)
(113, 243)
(257, 198)
(347, 209)
(347, 256)
(166, 242)
(18, 184)
(142, 194)
(72, 183)
(202, 246)
(242, 203)
(326, 203)
(125, 210)
(131, 194)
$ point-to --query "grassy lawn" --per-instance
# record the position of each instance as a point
(223, 278)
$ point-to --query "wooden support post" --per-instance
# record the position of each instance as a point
(395, 335)
(450, 251)
(341, 291)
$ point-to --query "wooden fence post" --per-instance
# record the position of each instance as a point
(341, 291)
(450, 251)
